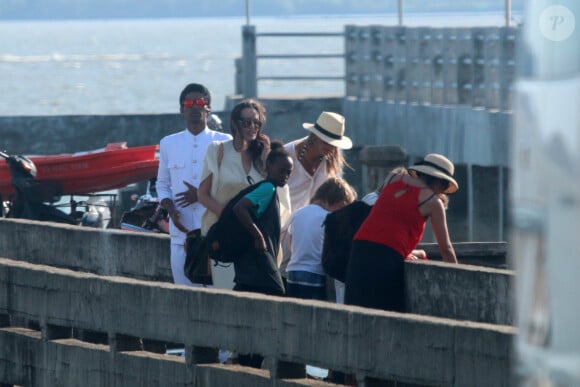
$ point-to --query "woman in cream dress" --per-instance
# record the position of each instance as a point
(231, 166)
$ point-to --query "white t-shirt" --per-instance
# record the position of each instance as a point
(307, 230)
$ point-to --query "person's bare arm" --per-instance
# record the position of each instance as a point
(242, 211)
(173, 214)
(205, 198)
(439, 225)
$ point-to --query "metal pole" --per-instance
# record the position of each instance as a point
(248, 12)
(249, 62)
(508, 12)
(400, 12)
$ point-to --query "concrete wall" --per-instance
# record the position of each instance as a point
(464, 134)
(451, 353)
(62, 134)
(432, 288)
(470, 66)
(430, 284)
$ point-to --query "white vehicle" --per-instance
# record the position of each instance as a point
(545, 195)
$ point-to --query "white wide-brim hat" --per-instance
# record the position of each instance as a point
(438, 166)
(330, 128)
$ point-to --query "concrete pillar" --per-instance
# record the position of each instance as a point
(413, 65)
(389, 52)
(401, 79)
(365, 63)
(464, 49)
(378, 161)
(450, 65)
(508, 37)
(351, 61)
(238, 78)
(492, 55)
(437, 64)
(376, 63)
(479, 82)
(425, 57)
(250, 82)
(488, 202)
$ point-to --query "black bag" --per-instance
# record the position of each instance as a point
(197, 264)
(227, 239)
(339, 229)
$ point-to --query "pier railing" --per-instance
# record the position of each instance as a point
(469, 66)
(251, 56)
(91, 322)
(59, 304)
(485, 296)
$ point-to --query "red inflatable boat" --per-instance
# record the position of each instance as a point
(115, 166)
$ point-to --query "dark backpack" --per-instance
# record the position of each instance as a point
(339, 229)
(227, 238)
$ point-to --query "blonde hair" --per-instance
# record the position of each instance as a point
(335, 161)
(335, 190)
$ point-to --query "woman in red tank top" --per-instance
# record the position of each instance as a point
(394, 228)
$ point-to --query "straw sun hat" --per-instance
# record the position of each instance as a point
(330, 128)
(437, 166)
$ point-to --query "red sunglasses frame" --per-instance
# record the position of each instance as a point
(199, 102)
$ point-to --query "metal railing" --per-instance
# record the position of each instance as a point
(250, 57)
(471, 66)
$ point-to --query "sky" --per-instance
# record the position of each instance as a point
(89, 9)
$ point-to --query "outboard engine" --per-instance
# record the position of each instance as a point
(31, 194)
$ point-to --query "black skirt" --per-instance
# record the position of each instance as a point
(375, 277)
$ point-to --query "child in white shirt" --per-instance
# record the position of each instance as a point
(306, 278)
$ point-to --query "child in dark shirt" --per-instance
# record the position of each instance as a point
(258, 212)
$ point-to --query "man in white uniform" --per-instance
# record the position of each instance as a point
(180, 163)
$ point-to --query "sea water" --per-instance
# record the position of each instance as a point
(140, 66)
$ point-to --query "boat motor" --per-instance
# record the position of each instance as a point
(31, 195)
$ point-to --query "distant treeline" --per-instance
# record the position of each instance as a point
(89, 9)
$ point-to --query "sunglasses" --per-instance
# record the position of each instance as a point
(245, 123)
(200, 102)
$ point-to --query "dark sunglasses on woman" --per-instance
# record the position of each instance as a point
(246, 123)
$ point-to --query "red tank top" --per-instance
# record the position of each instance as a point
(395, 221)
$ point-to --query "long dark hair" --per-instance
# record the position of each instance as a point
(254, 148)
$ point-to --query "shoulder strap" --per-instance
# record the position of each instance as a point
(426, 200)
(232, 202)
(220, 155)
(391, 178)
